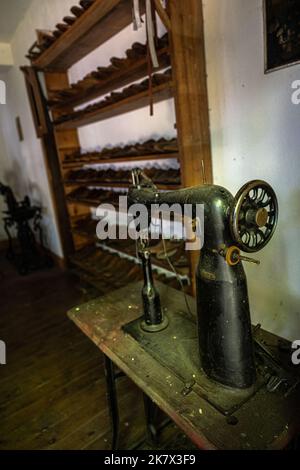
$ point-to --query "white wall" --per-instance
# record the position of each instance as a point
(6, 57)
(255, 135)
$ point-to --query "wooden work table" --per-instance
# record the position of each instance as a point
(265, 421)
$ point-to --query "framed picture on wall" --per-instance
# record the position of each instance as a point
(282, 33)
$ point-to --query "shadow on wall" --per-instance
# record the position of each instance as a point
(36, 197)
(14, 177)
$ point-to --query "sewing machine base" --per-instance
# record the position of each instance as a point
(176, 348)
(154, 328)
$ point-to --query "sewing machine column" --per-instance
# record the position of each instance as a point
(224, 325)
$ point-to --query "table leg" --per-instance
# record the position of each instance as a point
(112, 400)
(10, 251)
(150, 413)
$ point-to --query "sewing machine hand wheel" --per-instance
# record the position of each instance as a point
(254, 216)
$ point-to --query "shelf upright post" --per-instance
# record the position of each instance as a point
(191, 97)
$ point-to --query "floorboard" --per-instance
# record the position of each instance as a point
(52, 389)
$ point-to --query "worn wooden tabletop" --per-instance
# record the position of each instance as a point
(266, 421)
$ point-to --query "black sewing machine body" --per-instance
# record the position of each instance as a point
(223, 316)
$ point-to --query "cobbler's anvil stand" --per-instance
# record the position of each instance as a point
(166, 369)
(24, 220)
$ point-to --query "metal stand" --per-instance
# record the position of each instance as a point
(153, 319)
(29, 256)
(112, 401)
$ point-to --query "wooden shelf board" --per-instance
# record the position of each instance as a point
(114, 184)
(131, 103)
(82, 233)
(127, 159)
(119, 79)
(86, 202)
(182, 271)
(96, 279)
(103, 20)
(84, 266)
(89, 278)
(77, 217)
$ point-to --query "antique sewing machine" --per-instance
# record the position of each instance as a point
(225, 383)
(223, 355)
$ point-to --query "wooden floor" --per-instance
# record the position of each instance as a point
(52, 390)
(52, 393)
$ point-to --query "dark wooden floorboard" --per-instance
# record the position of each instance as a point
(52, 390)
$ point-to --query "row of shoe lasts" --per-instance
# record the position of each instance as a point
(117, 273)
(91, 175)
(112, 271)
(159, 249)
(114, 97)
(151, 147)
(61, 28)
(86, 226)
(102, 74)
(94, 195)
(110, 268)
(173, 249)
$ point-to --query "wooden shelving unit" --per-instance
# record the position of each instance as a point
(126, 159)
(92, 203)
(101, 184)
(185, 52)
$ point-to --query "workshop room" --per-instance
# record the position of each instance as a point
(149, 228)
